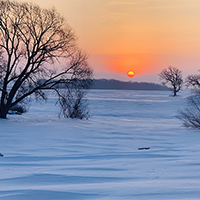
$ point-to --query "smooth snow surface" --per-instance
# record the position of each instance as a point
(46, 158)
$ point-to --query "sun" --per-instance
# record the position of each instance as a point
(130, 74)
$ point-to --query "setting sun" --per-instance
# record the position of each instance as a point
(130, 74)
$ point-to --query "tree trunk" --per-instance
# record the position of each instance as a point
(3, 114)
(175, 91)
(4, 111)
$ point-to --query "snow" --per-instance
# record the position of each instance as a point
(57, 159)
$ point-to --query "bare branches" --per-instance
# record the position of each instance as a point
(31, 39)
(193, 81)
(191, 115)
(173, 77)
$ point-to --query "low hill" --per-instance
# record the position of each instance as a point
(122, 85)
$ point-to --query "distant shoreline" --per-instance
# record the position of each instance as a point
(113, 84)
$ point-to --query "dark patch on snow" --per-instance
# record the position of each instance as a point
(144, 148)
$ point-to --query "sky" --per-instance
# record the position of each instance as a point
(145, 36)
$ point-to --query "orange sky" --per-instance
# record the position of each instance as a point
(140, 35)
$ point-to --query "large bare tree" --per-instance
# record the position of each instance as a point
(172, 77)
(39, 53)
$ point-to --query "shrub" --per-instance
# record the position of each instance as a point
(18, 109)
(191, 115)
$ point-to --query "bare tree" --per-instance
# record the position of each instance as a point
(193, 81)
(191, 115)
(74, 105)
(33, 42)
(172, 77)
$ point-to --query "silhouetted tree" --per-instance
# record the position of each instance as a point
(33, 42)
(193, 81)
(191, 114)
(172, 77)
(73, 105)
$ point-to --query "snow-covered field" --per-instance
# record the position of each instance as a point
(46, 158)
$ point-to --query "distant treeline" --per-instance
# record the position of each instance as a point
(122, 85)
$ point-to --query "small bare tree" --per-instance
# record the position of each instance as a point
(193, 81)
(74, 105)
(191, 115)
(172, 77)
(33, 43)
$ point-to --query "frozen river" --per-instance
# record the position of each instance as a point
(46, 158)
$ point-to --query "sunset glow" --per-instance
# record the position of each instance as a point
(147, 35)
